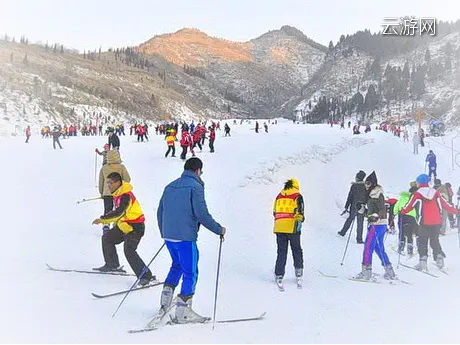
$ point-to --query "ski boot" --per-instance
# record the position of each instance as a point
(279, 282)
(185, 313)
(145, 281)
(410, 250)
(389, 272)
(422, 265)
(402, 244)
(299, 277)
(440, 261)
(365, 274)
(109, 268)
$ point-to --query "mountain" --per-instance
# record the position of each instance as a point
(182, 75)
(407, 74)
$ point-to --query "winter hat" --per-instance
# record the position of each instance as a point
(292, 183)
(106, 146)
(448, 185)
(431, 151)
(437, 182)
(372, 178)
(413, 184)
(360, 175)
(422, 179)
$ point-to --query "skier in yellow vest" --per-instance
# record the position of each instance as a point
(288, 211)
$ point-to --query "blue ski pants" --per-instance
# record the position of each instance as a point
(375, 242)
(184, 265)
(432, 170)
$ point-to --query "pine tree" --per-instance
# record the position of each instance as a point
(405, 72)
(331, 46)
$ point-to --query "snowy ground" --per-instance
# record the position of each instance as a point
(42, 224)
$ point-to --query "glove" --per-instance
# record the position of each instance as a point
(344, 211)
(299, 217)
(360, 207)
(374, 217)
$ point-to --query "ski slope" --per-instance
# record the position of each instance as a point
(43, 224)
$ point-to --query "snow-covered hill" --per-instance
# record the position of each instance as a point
(43, 224)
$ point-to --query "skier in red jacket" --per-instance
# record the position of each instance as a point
(430, 205)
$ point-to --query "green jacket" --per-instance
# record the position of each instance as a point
(404, 198)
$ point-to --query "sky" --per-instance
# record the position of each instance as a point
(86, 24)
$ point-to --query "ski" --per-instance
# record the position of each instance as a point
(395, 249)
(425, 272)
(137, 288)
(442, 270)
(208, 320)
(120, 272)
(155, 322)
(375, 281)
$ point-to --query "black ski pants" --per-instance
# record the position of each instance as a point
(131, 240)
(184, 152)
(431, 233)
(56, 140)
(171, 148)
(407, 228)
(27, 140)
(282, 241)
(359, 223)
(211, 144)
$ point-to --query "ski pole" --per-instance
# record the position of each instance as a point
(95, 169)
(217, 282)
(348, 241)
(458, 223)
(144, 270)
(400, 225)
(89, 199)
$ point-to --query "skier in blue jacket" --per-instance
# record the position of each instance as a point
(181, 211)
(431, 159)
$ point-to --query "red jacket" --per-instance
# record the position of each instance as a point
(212, 134)
(431, 203)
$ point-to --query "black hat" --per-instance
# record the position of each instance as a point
(372, 178)
(360, 175)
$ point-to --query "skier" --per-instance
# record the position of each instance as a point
(415, 141)
(129, 228)
(181, 210)
(430, 202)
(56, 134)
(349, 124)
(377, 227)
(114, 141)
(450, 194)
(407, 223)
(27, 134)
(185, 141)
(113, 165)
(288, 211)
(227, 130)
(257, 127)
(212, 138)
(431, 160)
(442, 189)
(103, 154)
(266, 127)
(356, 194)
(170, 141)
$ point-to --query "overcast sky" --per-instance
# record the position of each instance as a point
(88, 24)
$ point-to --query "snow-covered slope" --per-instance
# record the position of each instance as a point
(42, 224)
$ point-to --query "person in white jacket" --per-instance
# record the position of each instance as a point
(416, 141)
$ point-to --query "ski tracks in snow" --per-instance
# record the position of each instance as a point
(265, 174)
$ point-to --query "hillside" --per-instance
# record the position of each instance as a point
(183, 75)
(426, 77)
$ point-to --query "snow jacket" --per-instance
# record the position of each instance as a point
(431, 203)
(356, 194)
(183, 209)
(431, 159)
(113, 165)
(127, 210)
(404, 198)
(288, 210)
(114, 141)
(376, 209)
